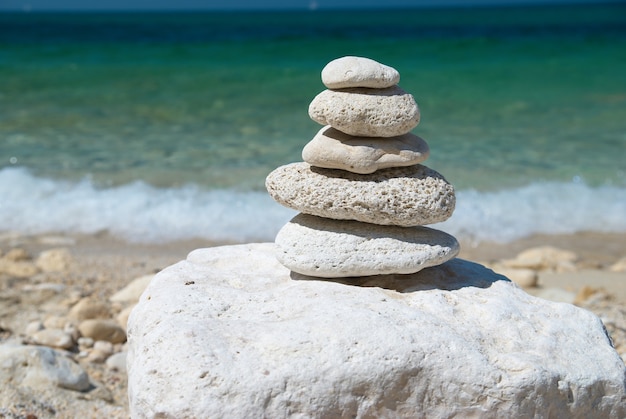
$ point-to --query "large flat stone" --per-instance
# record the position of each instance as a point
(328, 248)
(366, 112)
(358, 72)
(333, 149)
(229, 333)
(403, 196)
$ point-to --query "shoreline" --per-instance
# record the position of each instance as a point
(604, 248)
(594, 248)
(103, 255)
(86, 271)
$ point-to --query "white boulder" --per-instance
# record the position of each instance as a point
(366, 112)
(358, 72)
(329, 248)
(229, 333)
(333, 149)
(403, 196)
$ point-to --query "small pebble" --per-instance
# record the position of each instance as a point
(103, 346)
(98, 329)
(84, 342)
(55, 322)
(117, 362)
(89, 308)
(33, 327)
(54, 338)
(97, 357)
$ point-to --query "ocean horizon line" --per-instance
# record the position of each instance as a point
(435, 5)
(314, 6)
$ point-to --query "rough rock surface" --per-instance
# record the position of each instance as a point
(403, 196)
(328, 248)
(333, 149)
(228, 333)
(366, 112)
(358, 72)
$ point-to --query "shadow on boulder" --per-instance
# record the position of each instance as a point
(452, 275)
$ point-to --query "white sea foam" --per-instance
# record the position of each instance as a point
(136, 212)
(141, 213)
(543, 207)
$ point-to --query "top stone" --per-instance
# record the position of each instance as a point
(358, 72)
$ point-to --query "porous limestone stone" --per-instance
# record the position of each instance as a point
(333, 149)
(403, 196)
(230, 333)
(366, 112)
(358, 72)
(328, 248)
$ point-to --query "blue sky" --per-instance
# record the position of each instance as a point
(58, 5)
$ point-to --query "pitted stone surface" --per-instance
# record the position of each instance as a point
(366, 112)
(231, 333)
(403, 196)
(327, 248)
(358, 72)
(333, 149)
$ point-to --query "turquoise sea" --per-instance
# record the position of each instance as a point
(159, 127)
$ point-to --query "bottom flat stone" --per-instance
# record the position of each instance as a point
(229, 333)
(328, 248)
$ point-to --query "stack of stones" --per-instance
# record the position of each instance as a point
(363, 197)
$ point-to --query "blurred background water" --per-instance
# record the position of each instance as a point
(163, 126)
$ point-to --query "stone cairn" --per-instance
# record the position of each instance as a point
(363, 197)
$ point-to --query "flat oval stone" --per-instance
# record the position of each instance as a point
(358, 72)
(333, 149)
(99, 329)
(403, 196)
(55, 338)
(366, 112)
(328, 248)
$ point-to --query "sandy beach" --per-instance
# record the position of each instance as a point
(93, 268)
(164, 126)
